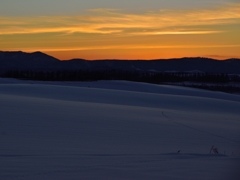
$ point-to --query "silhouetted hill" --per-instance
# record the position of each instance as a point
(40, 61)
(26, 61)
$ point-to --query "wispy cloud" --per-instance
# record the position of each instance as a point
(107, 47)
(175, 32)
(112, 21)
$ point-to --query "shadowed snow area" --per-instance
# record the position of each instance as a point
(116, 130)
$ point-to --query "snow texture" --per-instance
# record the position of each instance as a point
(116, 130)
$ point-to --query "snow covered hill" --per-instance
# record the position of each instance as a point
(116, 130)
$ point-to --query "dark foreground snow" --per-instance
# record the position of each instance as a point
(116, 130)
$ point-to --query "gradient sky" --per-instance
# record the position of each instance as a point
(126, 29)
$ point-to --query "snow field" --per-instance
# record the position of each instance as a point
(116, 130)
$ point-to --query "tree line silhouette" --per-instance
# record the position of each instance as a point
(218, 80)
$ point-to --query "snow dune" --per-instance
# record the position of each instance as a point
(116, 130)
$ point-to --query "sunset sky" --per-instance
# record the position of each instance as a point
(126, 29)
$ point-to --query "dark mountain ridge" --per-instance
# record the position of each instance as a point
(38, 61)
(19, 60)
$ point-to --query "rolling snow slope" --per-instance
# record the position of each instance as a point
(116, 130)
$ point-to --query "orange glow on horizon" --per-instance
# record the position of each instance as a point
(145, 54)
(114, 34)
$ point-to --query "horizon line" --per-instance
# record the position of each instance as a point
(137, 59)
